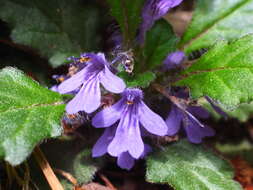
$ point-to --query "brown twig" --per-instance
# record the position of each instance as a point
(68, 176)
(47, 170)
(107, 182)
(27, 176)
(14, 173)
(9, 175)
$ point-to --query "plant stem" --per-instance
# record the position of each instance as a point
(47, 170)
(68, 176)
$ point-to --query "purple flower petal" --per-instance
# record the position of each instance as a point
(109, 115)
(54, 88)
(174, 59)
(196, 133)
(87, 99)
(161, 7)
(208, 131)
(216, 108)
(199, 112)
(101, 58)
(125, 161)
(147, 150)
(152, 11)
(100, 148)
(193, 118)
(176, 3)
(151, 121)
(73, 82)
(111, 82)
(193, 132)
(128, 137)
(174, 121)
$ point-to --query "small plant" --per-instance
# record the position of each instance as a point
(158, 95)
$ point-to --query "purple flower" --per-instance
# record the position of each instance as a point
(195, 131)
(54, 88)
(88, 80)
(152, 11)
(173, 60)
(131, 111)
(124, 159)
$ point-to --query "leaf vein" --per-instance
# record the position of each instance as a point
(227, 14)
(31, 107)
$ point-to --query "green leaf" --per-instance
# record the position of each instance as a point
(243, 112)
(29, 113)
(224, 73)
(215, 20)
(160, 41)
(55, 28)
(84, 167)
(128, 16)
(139, 80)
(186, 166)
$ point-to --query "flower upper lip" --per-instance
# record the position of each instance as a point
(89, 78)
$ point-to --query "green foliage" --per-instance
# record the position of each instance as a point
(185, 166)
(243, 112)
(128, 16)
(29, 113)
(160, 41)
(56, 28)
(218, 20)
(224, 73)
(139, 80)
(244, 150)
(84, 167)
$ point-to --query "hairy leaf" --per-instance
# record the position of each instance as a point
(29, 113)
(224, 73)
(218, 20)
(185, 166)
(139, 80)
(160, 41)
(57, 29)
(128, 16)
(84, 167)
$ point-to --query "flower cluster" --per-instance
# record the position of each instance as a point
(128, 120)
